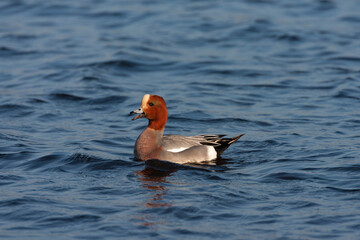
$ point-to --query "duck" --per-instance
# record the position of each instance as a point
(153, 144)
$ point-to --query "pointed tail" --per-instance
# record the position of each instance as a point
(224, 143)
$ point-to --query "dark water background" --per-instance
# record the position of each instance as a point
(286, 73)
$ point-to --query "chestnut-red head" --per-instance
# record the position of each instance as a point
(153, 107)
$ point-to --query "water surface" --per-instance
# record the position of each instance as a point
(285, 73)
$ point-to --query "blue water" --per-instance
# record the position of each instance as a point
(285, 73)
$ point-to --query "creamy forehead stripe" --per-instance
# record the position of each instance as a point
(145, 99)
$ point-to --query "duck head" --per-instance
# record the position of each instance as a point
(153, 107)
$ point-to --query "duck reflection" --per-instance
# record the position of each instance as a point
(154, 181)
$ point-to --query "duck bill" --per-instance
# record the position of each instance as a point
(138, 111)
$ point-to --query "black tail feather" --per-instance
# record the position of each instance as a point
(224, 143)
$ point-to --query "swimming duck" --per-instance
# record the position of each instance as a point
(153, 144)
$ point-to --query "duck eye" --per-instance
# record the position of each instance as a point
(151, 104)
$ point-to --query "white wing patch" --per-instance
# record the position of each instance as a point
(211, 152)
(175, 150)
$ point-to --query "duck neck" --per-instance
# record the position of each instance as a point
(158, 124)
(154, 135)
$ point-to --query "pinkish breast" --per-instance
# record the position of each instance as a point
(147, 145)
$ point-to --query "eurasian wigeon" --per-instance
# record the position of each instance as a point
(152, 144)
